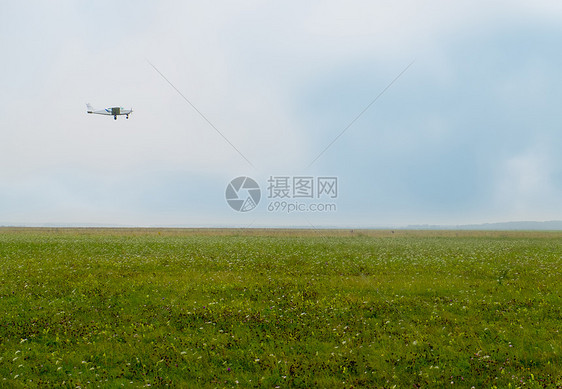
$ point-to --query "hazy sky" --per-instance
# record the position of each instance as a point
(469, 133)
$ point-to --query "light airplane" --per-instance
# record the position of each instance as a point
(113, 111)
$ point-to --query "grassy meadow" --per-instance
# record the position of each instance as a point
(280, 308)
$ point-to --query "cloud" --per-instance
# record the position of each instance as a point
(525, 187)
(460, 130)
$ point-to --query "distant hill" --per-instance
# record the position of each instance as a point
(554, 225)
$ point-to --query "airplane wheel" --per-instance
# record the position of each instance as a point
(115, 117)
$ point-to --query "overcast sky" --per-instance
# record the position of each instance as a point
(470, 132)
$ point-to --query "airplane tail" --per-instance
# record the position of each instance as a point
(90, 108)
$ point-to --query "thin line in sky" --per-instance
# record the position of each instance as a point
(200, 113)
(360, 114)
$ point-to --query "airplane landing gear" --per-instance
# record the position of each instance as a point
(115, 117)
(127, 116)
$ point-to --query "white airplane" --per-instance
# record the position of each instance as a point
(113, 111)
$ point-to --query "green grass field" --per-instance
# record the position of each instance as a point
(258, 308)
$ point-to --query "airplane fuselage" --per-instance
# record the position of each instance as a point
(113, 111)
